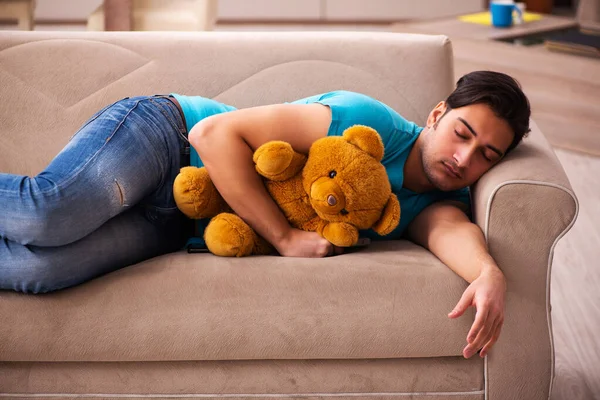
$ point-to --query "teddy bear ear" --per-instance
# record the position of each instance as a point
(390, 218)
(365, 138)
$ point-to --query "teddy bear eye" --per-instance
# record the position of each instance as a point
(332, 174)
(343, 211)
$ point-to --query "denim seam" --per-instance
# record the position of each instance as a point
(158, 208)
(76, 173)
(92, 119)
(183, 152)
(181, 130)
(165, 112)
(173, 124)
(163, 177)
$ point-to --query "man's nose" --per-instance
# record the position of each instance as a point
(463, 157)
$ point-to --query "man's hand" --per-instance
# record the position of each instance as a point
(486, 294)
(298, 243)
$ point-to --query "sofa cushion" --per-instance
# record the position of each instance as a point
(389, 300)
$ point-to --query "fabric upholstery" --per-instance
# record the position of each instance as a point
(389, 300)
(442, 375)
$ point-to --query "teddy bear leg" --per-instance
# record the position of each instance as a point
(196, 195)
(227, 235)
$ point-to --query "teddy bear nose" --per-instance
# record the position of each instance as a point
(326, 196)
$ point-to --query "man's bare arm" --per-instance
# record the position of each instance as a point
(226, 142)
(445, 230)
(442, 228)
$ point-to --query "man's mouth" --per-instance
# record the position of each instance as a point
(452, 171)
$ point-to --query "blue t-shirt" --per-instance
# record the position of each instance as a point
(348, 109)
(195, 109)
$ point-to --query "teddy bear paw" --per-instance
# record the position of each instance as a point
(273, 158)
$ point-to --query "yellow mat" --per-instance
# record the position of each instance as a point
(485, 18)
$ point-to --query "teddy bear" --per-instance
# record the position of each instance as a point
(339, 188)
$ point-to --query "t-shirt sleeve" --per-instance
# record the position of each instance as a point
(196, 108)
(350, 108)
(461, 195)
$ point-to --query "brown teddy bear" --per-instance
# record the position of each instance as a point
(339, 188)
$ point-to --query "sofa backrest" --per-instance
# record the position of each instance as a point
(52, 82)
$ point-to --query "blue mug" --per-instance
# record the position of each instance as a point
(502, 13)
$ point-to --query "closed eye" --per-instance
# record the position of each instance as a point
(486, 157)
(459, 135)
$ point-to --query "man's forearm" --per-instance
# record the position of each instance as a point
(461, 246)
(446, 231)
(229, 162)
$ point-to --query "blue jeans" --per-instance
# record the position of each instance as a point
(104, 202)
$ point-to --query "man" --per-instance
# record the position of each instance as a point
(429, 168)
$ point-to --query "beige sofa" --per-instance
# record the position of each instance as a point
(368, 324)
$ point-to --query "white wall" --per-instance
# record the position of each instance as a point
(65, 10)
(373, 10)
(281, 10)
(269, 9)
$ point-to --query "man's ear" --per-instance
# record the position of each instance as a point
(390, 218)
(436, 114)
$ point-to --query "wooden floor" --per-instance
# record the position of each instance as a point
(575, 290)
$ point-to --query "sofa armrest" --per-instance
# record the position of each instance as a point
(524, 205)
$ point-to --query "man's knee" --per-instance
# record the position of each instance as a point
(40, 228)
(33, 276)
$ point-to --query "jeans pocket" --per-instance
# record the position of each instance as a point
(162, 216)
(174, 226)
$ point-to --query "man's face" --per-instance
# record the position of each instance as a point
(460, 147)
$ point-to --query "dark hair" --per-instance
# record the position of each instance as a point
(502, 93)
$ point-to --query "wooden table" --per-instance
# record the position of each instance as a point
(453, 27)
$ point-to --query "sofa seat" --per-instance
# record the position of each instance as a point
(196, 324)
(389, 300)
